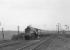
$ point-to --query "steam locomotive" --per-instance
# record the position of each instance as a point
(31, 33)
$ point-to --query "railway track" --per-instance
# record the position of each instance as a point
(40, 45)
(15, 44)
(36, 45)
(10, 43)
(27, 45)
(13, 47)
(6, 43)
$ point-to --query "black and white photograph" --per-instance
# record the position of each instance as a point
(34, 24)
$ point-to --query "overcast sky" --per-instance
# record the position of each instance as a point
(44, 14)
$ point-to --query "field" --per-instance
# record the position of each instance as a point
(8, 34)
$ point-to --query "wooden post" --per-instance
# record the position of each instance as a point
(3, 33)
(68, 28)
(58, 27)
(18, 29)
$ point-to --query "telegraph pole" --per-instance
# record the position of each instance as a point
(3, 33)
(18, 29)
(67, 27)
(58, 27)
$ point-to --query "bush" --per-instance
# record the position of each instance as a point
(17, 37)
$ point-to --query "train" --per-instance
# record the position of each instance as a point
(31, 33)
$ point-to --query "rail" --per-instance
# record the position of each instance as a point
(35, 45)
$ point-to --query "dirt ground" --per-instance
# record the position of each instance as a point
(60, 44)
